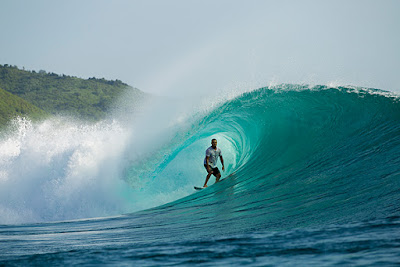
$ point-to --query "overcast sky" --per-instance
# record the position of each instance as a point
(178, 47)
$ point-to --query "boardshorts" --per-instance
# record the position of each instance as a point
(214, 170)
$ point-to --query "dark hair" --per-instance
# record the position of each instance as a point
(213, 140)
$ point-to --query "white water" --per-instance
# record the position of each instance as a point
(63, 169)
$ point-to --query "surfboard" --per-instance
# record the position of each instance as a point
(201, 188)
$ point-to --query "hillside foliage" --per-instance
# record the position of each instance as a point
(12, 106)
(88, 99)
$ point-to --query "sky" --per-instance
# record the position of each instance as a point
(187, 47)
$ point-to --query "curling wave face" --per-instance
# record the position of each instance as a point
(295, 156)
(299, 156)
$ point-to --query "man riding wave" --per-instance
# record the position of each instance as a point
(210, 161)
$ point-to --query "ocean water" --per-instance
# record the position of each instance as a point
(312, 179)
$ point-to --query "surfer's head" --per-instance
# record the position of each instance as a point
(214, 143)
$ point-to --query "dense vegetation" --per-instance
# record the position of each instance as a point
(12, 106)
(89, 99)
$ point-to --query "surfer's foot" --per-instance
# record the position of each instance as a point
(205, 186)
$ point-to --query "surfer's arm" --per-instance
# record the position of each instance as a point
(222, 161)
(208, 166)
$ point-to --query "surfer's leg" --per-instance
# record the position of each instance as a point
(208, 176)
(217, 174)
(218, 177)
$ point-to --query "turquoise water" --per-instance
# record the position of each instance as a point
(312, 178)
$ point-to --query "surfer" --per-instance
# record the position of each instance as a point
(210, 161)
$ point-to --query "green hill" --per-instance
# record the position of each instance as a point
(12, 106)
(89, 99)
